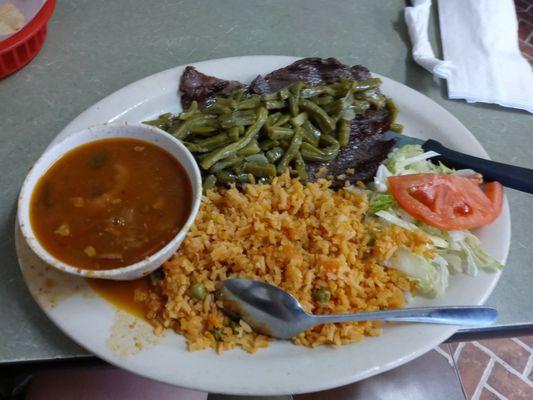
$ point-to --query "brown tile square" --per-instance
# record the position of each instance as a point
(522, 5)
(486, 395)
(446, 348)
(471, 364)
(453, 347)
(525, 15)
(527, 340)
(509, 385)
(509, 351)
(524, 29)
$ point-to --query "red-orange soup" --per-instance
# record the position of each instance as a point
(110, 203)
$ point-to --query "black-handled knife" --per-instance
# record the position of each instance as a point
(508, 175)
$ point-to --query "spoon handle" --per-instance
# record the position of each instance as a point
(457, 315)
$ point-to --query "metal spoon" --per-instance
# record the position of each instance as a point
(272, 311)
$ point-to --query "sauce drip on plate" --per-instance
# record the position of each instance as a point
(122, 293)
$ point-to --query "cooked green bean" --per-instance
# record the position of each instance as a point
(231, 149)
(322, 100)
(228, 177)
(282, 120)
(291, 152)
(161, 122)
(312, 153)
(329, 141)
(193, 109)
(249, 103)
(195, 148)
(259, 158)
(275, 104)
(284, 144)
(293, 106)
(299, 119)
(299, 166)
(209, 183)
(360, 106)
(213, 142)
(294, 100)
(249, 149)
(183, 129)
(395, 127)
(203, 129)
(244, 117)
(217, 109)
(268, 144)
(317, 90)
(260, 169)
(270, 96)
(274, 154)
(228, 102)
(245, 137)
(273, 118)
(310, 133)
(375, 98)
(233, 133)
(283, 94)
(237, 96)
(365, 85)
(343, 132)
(324, 121)
(392, 109)
(280, 133)
(227, 163)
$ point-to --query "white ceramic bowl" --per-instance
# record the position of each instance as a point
(135, 131)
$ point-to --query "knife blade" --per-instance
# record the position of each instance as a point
(511, 176)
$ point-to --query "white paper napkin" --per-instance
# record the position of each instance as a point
(482, 61)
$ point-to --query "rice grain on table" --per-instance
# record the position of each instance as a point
(300, 237)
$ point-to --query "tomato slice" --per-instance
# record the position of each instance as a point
(447, 201)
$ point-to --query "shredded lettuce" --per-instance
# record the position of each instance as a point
(431, 275)
(455, 251)
(381, 202)
(410, 159)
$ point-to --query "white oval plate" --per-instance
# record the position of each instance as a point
(282, 368)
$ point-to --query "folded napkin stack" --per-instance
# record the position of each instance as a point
(482, 61)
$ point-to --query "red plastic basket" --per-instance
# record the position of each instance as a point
(19, 49)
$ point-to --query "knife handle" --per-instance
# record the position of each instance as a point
(508, 175)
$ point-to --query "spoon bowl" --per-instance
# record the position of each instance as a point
(272, 311)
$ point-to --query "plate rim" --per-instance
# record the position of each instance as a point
(312, 386)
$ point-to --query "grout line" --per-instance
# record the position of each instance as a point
(525, 346)
(457, 351)
(528, 39)
(503, 363)
(529, 366)
(445, 354)
(495, 392)
(458, 375)
(483, 380)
